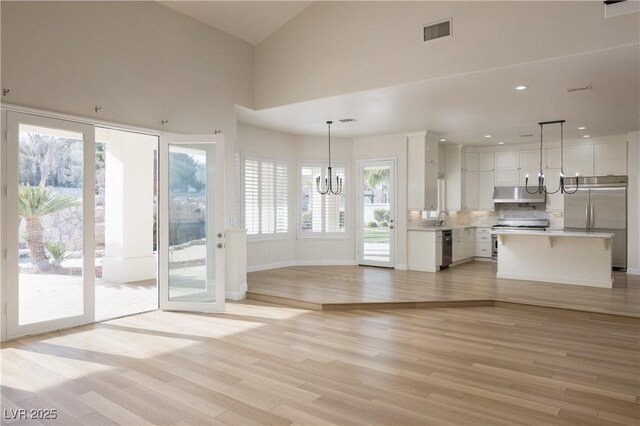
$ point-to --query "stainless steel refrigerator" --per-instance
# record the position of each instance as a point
(599, 205)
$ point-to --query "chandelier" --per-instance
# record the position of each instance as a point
(541, 187)
(328, 181)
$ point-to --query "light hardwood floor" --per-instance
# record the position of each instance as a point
(260, 364)
(338, 287)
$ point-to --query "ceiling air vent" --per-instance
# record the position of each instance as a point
(436, 30)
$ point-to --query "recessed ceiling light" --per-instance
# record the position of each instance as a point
(521, 87)
(581, 128)
(487, 136)
(500, 143)
(443, 140)
(586, 136)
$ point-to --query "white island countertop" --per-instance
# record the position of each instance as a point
(563, 257)
(554, 233)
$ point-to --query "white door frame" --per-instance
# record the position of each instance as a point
(215, 230)
(360, 164)
(13, 328)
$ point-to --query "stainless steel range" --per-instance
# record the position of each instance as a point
(519, 224)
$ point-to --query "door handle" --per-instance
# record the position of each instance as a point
(593, 218)
(390, 226)
(219, 245)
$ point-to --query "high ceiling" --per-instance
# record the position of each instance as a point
(252, 21)
(465, 108)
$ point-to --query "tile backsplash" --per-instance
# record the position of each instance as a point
(488, 219)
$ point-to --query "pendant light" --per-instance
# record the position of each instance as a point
(541, 187)
(328, 181)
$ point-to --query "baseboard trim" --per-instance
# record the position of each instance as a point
(633, 271)
(402, 267)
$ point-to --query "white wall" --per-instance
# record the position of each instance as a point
(140, 61)
(633, 203)
(333, 48)
(391, 146)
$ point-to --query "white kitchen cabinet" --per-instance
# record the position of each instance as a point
(469, 237)
(470, 191)
(578, 158)
(552, 182)
(442, 159)
(529, 159)
(483, 243)
(422, 172)
(424, 250)
(463, 244)
(431, 150)
(506, 177)
(458, 250)
(485, 191)
(611, 159)
(431, 187)
(470, 162)
(486, 161)
(506, 160)
(552, 158)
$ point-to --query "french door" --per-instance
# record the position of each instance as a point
(191, 220)
(48, 220)
(50, 263)
(376, 212)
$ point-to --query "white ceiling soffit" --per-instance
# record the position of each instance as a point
(464, 108)
(252, 21)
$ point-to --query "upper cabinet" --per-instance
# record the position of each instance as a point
(422, 172)
(611, 159)
(578, 158)
(486, 162)
(470, 162)
(552, 158)
(506, 160)
(529, 159)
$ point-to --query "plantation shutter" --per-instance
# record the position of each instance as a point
(251, 194)
(281, 198)
(334, 205)
(321, 213)
(267, 198)
(266, 203)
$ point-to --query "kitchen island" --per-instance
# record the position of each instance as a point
(578, 258)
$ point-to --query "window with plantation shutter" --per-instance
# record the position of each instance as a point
(322, 215)
(266, 201)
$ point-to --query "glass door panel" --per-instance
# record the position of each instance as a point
(376, 213)
(192, 250)
(50, 182)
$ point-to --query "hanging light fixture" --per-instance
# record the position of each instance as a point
(541, 187)
(328, 181)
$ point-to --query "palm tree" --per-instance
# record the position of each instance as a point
(33, 203)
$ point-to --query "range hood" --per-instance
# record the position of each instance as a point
(517, 194)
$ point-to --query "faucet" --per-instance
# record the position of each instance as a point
(441, 221)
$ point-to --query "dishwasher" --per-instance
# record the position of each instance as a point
(447, 249)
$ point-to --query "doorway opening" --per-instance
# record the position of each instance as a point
(126, 217)
(376, 229)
